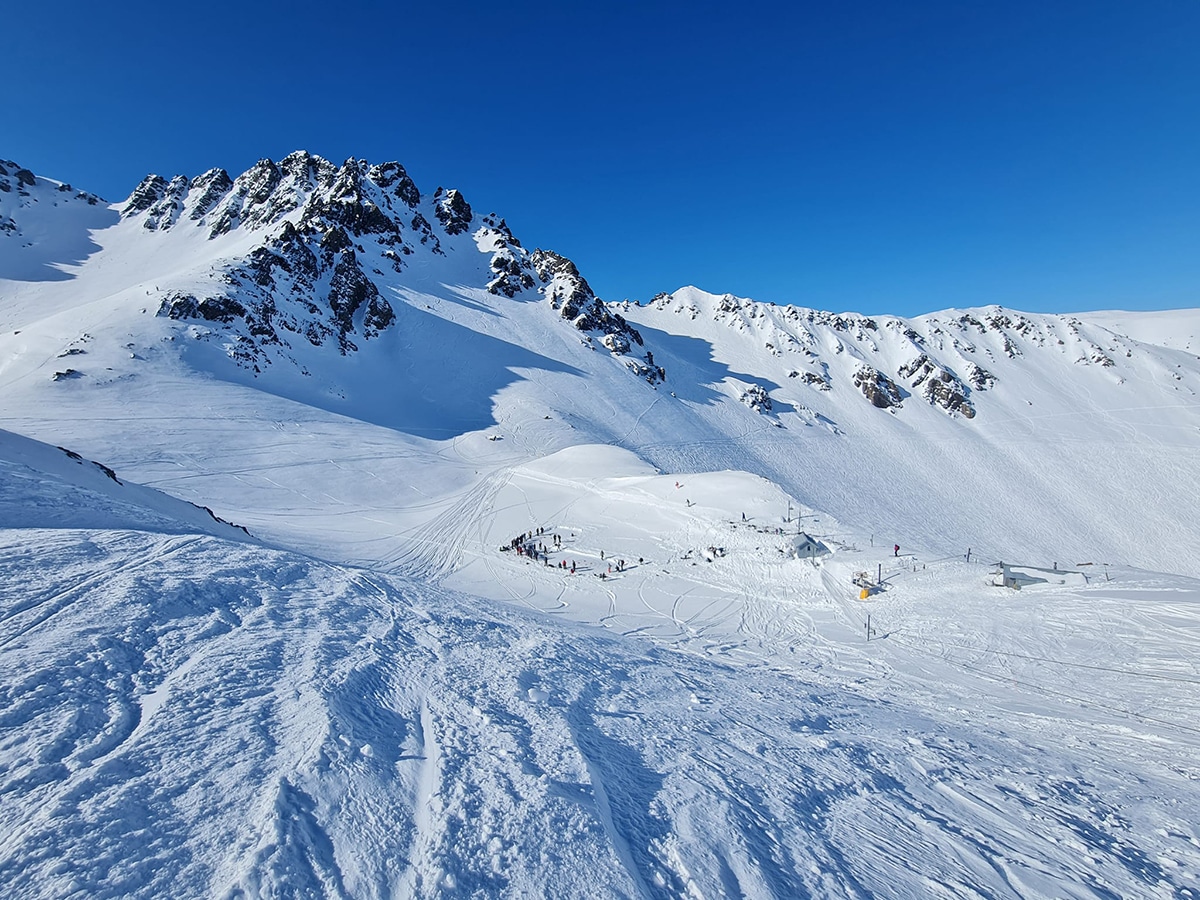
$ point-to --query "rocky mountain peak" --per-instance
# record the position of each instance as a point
(333, 238)
(452, 210)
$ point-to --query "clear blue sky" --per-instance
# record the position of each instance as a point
(883, 157)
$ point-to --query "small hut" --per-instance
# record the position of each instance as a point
(807, 547)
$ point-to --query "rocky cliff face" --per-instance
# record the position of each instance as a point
(327, 239)
(945, 360)
(302, 253)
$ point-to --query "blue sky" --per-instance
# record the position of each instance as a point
(881, 157)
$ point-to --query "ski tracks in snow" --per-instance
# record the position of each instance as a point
(433, 550)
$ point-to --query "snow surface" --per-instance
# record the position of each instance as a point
(371, 693)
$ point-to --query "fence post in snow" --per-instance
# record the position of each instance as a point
(868, 627)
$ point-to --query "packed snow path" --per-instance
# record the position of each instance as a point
(200, 718)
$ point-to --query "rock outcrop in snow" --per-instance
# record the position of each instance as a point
(945, 359)
(328, 244)
(20, 187)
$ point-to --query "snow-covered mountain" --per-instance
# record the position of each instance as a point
(674, 695)
(344, 289)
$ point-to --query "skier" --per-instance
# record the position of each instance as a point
(896, 550)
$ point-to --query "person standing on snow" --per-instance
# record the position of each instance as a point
(896, 550)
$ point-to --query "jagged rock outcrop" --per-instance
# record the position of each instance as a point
(979, 378)
(149, 192)
(938, 386)
(878, 388)
(820, 382)
(452, 211)
(568, 292)
(756, 398)
(209, 188)
(330, 235)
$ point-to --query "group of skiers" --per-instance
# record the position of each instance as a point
(527, 545)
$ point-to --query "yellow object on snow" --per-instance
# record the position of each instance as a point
(864, 593)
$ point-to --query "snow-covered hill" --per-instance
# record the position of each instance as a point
(347, 292)
(190, 716)
(669, 690)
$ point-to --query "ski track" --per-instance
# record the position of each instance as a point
(423, 744)
(433, 550)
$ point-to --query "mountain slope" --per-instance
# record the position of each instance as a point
(301, 292)
(565, 598)
(205, 718)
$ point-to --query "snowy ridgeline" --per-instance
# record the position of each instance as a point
(680, 689)
(243, 320)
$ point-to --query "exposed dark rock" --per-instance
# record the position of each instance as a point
(327, 227)
(878, 388)
(379, 315)
(615, 343)
(756, 398)
(979, 378)
(391, 175)
(349, 289)
(345, 204)
(145, 195)
(568, 292)
(165, 210)
(210, 309)
(939, 386)
(422, 227)
(261, 181)
(918, 369)
(292, 247)
(946, 391)
(335, 241)
(107, 471)
(452, 211)
(210, 189)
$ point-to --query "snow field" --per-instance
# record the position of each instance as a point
(279, 726)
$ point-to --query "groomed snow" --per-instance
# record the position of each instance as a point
(188, 716)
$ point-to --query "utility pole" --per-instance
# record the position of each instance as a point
(868, 628)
